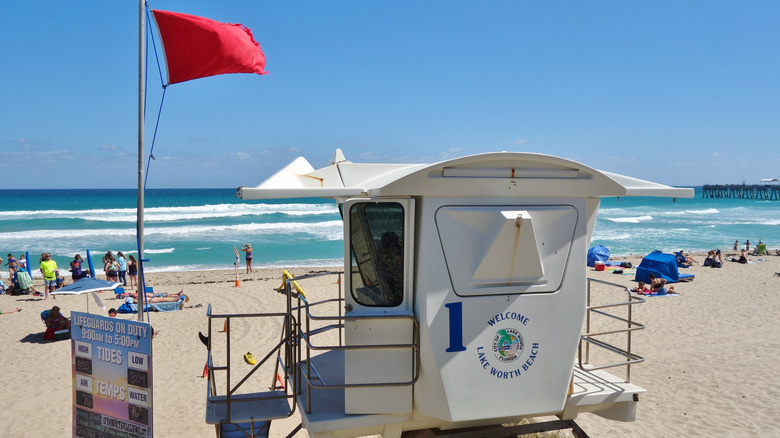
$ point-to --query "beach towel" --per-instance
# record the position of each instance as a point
(656, 294)
(166, 307)
(131, 308)
(624, 271)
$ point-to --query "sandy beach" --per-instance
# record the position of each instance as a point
(712, 353)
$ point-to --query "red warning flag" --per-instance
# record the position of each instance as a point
(197, 47)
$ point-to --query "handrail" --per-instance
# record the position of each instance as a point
(229, 397)
(289, 350)
(590, 337)
(306, 336)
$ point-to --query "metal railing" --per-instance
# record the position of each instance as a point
(294, 349)
(306, 334)
(285, 351)
(589, 337)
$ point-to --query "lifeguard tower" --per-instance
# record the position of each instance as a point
(465, 295)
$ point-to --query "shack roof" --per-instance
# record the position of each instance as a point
(497, 174)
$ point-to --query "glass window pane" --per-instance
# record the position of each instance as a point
(376, 243)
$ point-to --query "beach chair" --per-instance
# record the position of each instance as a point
(53, 334)
(681, 261)
(761, 249)
(22, 283)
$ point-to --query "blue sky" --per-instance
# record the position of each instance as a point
(682, 93)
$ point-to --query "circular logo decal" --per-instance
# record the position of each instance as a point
(507, 345)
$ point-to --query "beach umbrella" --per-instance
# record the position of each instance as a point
(87, 285)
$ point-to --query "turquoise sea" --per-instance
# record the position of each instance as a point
(197, 228)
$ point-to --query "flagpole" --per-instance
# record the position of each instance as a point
(140, 207)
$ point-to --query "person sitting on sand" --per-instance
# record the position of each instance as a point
(688, 259)
(742, 257)
(5, 312)
(658, 285)
(57, 320)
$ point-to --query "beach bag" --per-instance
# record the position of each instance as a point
(24, 280)
(626, 265)
(715, 264)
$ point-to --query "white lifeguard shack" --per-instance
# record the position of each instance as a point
(465, 293)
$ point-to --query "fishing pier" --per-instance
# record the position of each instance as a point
(745, 191)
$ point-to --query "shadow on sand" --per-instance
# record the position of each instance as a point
(35, 338)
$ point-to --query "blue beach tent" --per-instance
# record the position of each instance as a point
(597, 253)
(662, 266)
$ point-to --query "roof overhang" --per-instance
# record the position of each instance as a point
(492, 175)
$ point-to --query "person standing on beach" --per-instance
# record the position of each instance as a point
(12, 264)
(76, 272)
(132, 271)
(120, 259)
(48, 269)
(747, 246)
(736, 245)
(247, 248)
(112, 270)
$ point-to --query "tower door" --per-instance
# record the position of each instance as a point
(378, 245)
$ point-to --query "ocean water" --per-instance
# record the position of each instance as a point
(638, 225)
(197, 228)
(183, 228)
